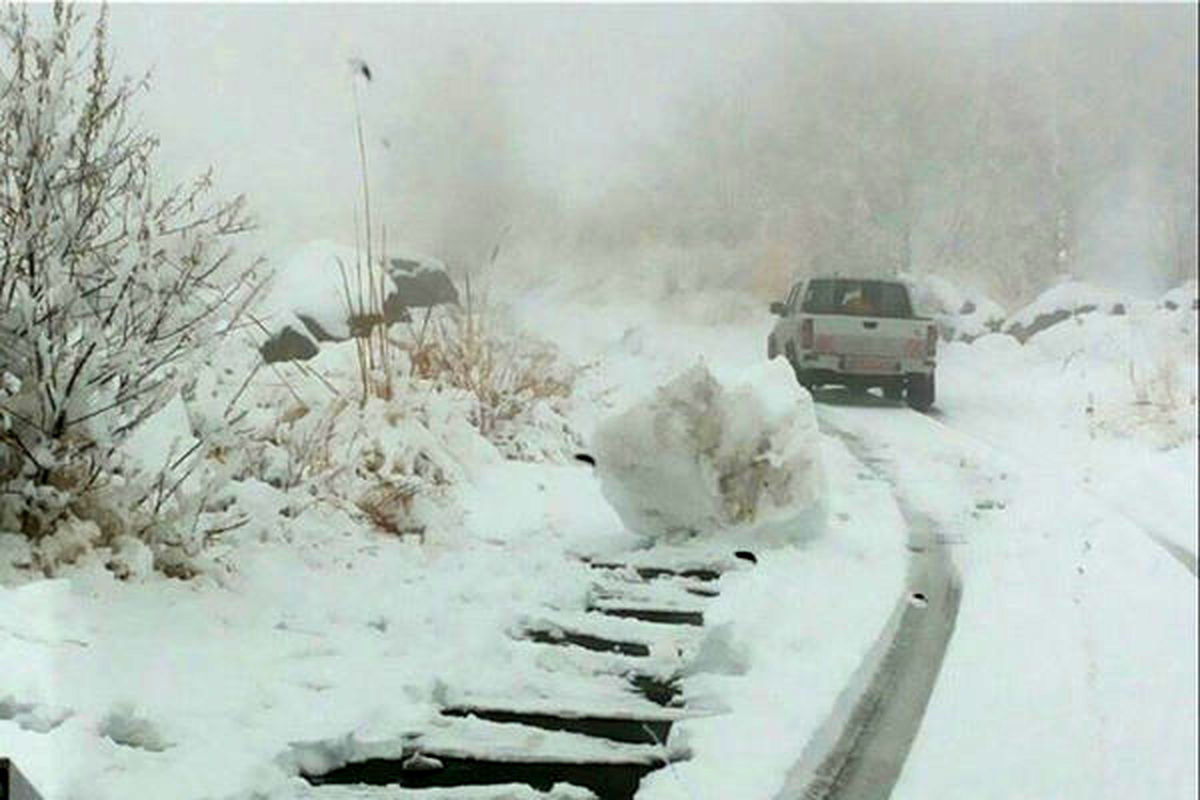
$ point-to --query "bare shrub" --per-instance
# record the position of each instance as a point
(109, 287)
(1161, 388)
(506, 372)
(388, 506)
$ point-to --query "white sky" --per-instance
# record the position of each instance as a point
(263, 92)
(479, 115)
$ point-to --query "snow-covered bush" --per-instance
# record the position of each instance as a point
(109, 287)
(514, 377)
(395, 462)
(701, 456)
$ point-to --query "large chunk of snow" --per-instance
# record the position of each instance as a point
(701, 456)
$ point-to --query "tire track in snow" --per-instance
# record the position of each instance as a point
(874, 733)
(1177, 551)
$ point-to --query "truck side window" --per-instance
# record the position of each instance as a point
(819, 299)
(793, 300)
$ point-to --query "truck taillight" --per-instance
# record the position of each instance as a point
(806, 334)
(931, 341)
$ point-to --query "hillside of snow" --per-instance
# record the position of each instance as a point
(383, 558)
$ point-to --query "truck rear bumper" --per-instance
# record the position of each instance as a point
(820, 368)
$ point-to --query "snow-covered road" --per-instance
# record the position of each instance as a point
(1072, 671)
(875, 739)
(1113, 496)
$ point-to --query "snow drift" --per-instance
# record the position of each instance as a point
(701, 456)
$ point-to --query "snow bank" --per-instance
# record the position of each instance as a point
(1107, 399)
(1058, 303)
(1181, 297)
(309, 283)
(961, 313)
(701, 455)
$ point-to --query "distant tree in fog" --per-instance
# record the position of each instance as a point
(981, 143)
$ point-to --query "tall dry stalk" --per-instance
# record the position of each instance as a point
(365, 299)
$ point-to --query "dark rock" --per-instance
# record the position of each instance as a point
(288, 345)
(1041, 322)
(316, 331)
(419, 285)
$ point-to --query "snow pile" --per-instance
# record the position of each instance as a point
(1068, 299)
(1108, 399)
(961, 313)
(700, 456)
(311, 297)
(1181, 297)
(310, 283)
(397, 461)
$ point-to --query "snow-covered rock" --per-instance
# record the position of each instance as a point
(1182, 297)
(313, 296)
(702, 456)
(1061, 302)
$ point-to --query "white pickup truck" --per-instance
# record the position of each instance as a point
(857, 333)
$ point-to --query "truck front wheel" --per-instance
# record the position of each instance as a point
(919, 392)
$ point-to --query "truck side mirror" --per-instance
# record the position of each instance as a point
(778, 308)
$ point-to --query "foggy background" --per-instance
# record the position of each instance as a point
(734, 146)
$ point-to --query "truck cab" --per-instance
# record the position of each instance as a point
(858, 333)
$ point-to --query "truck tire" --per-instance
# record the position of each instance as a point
(802, 376)
(789, 353)
(919, 393)
(893, 391)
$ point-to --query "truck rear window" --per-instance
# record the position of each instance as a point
(856, 298)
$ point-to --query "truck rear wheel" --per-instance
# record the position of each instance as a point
(893, 391)
(789, 353)
(920, 391)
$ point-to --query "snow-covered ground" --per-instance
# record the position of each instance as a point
(1051, 467)
(314, 638)
(786, 639)
(1108, 402)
